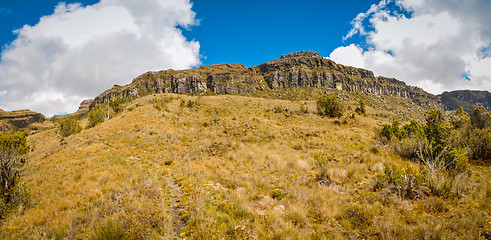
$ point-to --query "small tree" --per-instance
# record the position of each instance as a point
(12, 148)
(14, 141)
(480, 117)
(69, 126)
(330, 106)
(10, 170)
(99, 114)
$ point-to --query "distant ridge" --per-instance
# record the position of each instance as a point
(19, 118)
(299, 69)
(465, 99)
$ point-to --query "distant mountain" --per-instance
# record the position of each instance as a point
(466, 99)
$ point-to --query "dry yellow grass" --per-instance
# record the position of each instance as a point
(242, 170)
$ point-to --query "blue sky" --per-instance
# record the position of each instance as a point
(55, 54)
(247, 32)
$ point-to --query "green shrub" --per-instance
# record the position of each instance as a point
(361, 108)
(117, 105)
(277, 194)
(189, 104)
(405, 183)
(14, 141)
(329, 106)
(480, 117)
(304, 108)
(99, 114)
(68, 126)
(459, 118)
(12, 148)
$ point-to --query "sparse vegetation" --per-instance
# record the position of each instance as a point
(233, 167)
(99, 114)
(330, 106)
(69, 126)
(361, 108)
(117, 105)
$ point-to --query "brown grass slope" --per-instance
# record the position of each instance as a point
(233, 167)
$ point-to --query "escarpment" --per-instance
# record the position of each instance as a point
(19, 118)
(299, 69)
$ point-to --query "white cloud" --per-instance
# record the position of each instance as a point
(77, 52)
(436, 48)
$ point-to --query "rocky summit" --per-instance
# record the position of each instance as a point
(299, 69)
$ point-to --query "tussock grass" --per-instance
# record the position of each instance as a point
(241, 171)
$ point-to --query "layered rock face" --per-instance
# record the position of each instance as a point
(299, 69)
(466, 99)
(20, 118)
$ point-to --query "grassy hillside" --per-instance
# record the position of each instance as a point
(232, 167)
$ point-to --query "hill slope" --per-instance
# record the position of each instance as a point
(236, 167)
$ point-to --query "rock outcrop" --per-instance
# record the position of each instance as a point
(465, 99)
(83, 110)
(299, 69)
(19, 118)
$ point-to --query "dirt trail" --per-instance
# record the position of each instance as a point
(175, 191)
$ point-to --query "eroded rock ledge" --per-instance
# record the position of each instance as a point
(299, 69)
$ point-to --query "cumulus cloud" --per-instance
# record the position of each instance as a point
(77, 52)
(438, 45)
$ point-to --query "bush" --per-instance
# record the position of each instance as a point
(110, 230)
(10, 170)
(12, 148)
(99, 114)
(277, 194)
(189, 104)
(329, 106)
(304, 108)
(69, 126)
(361, 109)
(406, 183)
(14, 142)
(480, 117)
(117, 105)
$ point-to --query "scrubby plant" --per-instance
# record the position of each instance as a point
(480, 117)
(110, 230)
(12, 148)
(99, 114)
(14, 142)
(361, 108)
(330, 106)
(189, 104)
(304, 108)
(443, 146)
(406, 182)
(277, 194)
(459, 119)
(160, 102)
(117, 105)
(68, 126)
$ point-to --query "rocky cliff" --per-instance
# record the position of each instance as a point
(19, 118)
(83, 110)
(300, 69)
(466, 99)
